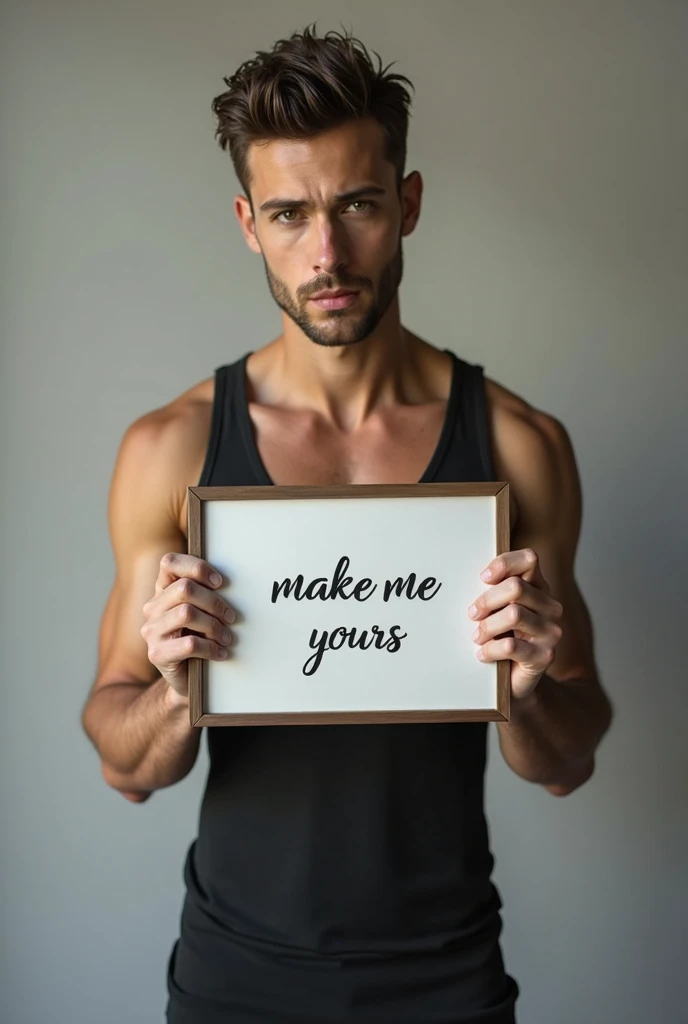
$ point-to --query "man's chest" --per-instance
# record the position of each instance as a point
(393, 447)
(397, 446)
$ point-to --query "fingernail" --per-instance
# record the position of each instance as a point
(476, 634)
(229, 615)
(473, 611)
(486, 575)
(222, 652)
(225, 636)
(215, 579)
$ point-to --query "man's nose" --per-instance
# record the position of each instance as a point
(330, 247)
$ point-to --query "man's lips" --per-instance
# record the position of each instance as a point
(337, 300)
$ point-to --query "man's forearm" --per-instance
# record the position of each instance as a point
(142, 733)
(554, 732)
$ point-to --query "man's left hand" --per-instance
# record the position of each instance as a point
(519, 600)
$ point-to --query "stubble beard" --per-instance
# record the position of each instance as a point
(342, 327)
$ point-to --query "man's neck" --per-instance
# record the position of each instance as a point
(342, 383)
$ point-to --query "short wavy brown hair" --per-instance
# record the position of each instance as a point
(306, 85)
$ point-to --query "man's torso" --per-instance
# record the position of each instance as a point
(297, 447)
(356, 850)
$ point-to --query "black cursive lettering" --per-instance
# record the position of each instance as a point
(336, 639)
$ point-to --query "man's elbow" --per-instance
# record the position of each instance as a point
(579, 775)
(116, 781)
(135, 798)
(577, 779)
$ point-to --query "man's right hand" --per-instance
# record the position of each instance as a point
(185, 619)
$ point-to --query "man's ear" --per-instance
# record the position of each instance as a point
(411, 195)
(247, 222)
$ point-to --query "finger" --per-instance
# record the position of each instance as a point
(516, 590)
(534, 657)
(187, 591)
(174, 566)
(521, 562)
(168, 655)
(517, 617)
(187, 617)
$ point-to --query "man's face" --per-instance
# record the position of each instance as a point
(327, 216)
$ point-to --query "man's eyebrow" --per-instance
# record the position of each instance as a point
(343, 197)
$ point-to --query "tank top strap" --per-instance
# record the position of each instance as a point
(466, 453)
(217, 417)
(463, 453)
(226, 462)
(477, 416)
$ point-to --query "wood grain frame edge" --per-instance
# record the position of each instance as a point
(197, 666)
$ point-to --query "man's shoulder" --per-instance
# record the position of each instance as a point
(177, 423)
(532, 450)
(167, 445)
(520, 425)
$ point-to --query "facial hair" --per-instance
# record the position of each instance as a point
(342, 327)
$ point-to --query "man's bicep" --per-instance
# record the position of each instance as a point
(142, 529)
(574, 654)
(122, 650)
(550, 517)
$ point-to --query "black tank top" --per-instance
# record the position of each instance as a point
(339, 865)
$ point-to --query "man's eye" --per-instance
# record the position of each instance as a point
(292, 216)
(286, 214)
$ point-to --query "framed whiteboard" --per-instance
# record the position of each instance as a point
(351, 602)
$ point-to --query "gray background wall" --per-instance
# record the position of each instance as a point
(552, 248)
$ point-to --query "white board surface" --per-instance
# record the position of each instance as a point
(259, 543)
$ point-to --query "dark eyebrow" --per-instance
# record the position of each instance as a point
(343, 197)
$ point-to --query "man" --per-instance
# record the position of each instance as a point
(340, 872)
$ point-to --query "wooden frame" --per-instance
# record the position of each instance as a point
(199, 668)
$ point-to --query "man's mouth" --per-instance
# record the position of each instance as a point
(339, 298)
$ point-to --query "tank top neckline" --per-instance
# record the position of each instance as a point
(255, 458)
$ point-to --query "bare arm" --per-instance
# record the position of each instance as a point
(554, 732)
(137, 713)
(143, 736)
(555, 727)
